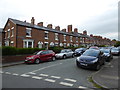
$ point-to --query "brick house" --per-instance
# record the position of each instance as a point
(21, 34)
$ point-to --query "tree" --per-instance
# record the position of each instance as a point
(117, 44)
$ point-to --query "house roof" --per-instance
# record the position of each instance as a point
(22, 23)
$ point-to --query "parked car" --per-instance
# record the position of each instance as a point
(108, 54)
(94, 47)
(91, 58)
(79, 51)
(65, 53)
(115, 51)
(40, 56)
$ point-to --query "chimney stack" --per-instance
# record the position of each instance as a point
(75, 30)
(91, 35)
(32, 21)
(49, 25)
(40, 24)
(64, 30)
(85, 32)
(69, 28)
(57, 27)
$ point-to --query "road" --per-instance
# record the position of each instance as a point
(61, 73)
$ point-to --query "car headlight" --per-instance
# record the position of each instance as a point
(93, 61)
(78, 58)
(30, 57)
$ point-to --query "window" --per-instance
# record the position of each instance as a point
(12, 29)
(81, 39)
(46, 35)
(7, 43)
(8, 33)
(64, 37)
(28, 43)
(56, 36)
(46, 45)
(70, 38)
(40, 44)
(76, 39)
(28, 32)
(56, 44)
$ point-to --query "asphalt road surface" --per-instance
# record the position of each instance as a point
(61, 73)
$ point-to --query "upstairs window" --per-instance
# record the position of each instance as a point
(28, 32)
(56, 36)
(76, 39)
(8, 33)
(12, 29)
(64, 37)
(46, 35)
(70, 38)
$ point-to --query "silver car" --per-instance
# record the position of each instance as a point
(65, 53)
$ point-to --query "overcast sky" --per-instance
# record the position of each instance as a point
(98, 17)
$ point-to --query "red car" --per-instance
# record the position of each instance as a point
(40, 56)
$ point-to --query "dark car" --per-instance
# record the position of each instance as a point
(79, 51)
(115, 51)
(107, 53)
(91, 58)
(44, 55)
(94, 47)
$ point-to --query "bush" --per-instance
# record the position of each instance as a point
(9, 50)
(56, 49)
(19, 51)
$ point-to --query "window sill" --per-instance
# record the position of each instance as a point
(46, 38)
(28, 36)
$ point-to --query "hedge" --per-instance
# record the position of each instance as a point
(19, 51)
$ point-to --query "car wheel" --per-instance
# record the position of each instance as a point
(37, 61)
(97, 67)
(64, 56)
(73, 55)
(53, 58)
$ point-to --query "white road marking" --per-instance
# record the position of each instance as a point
(32, 73)
(66, 84)
(15, 74)
(49, 80)
(24, 75)
(44, 75)
(46, 67)
(72, 80)
(36, 77)
(82, 87)
(56, 77)
(7, 73)
(1, 72)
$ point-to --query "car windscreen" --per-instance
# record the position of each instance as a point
(37, 53)
(93, 53)
(105, 50)
(114, 49)
(80, 49)
(63, 51)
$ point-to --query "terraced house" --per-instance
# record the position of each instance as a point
(22, 34)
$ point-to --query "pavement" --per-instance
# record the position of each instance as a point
(107, 77)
